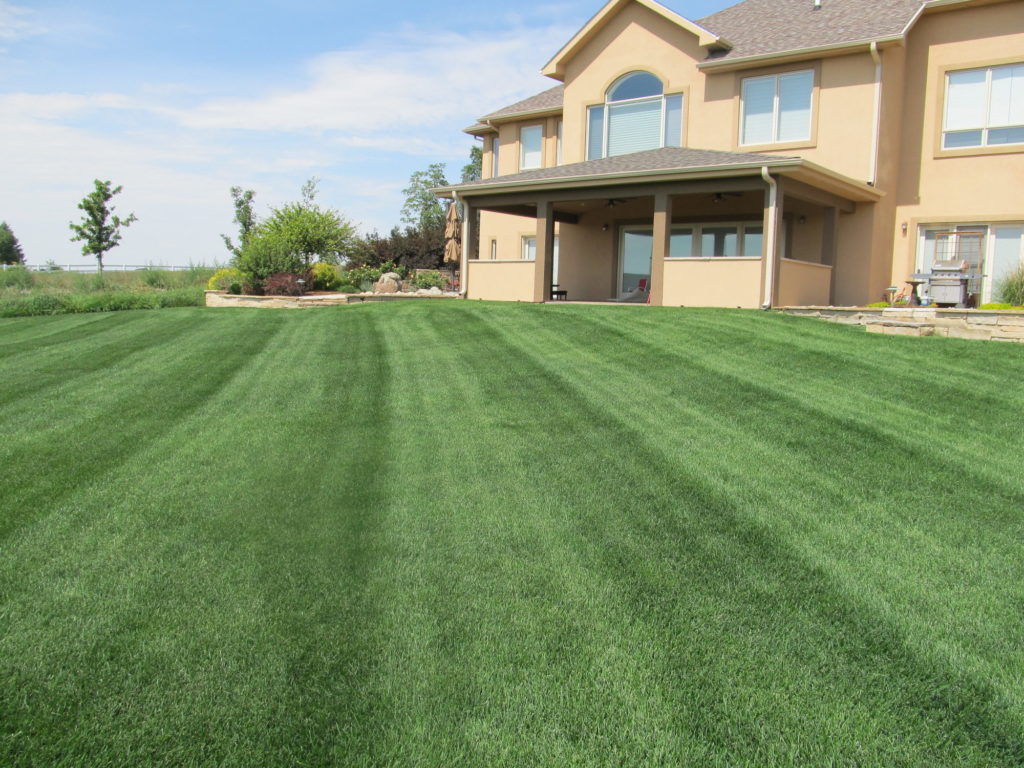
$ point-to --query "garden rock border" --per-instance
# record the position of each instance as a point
(982, 324)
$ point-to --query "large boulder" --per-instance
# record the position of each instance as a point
(389, 282)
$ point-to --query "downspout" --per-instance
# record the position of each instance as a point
(771, 237)
(876, 134)
(464, 259)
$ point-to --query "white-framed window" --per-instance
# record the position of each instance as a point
(776, 108)
(494, 249)
(558, 151)
(984, 107)
(992, 251)
(495, 155)
(637, 115)
(531, 147)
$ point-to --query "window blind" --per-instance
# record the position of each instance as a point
(758, 108)
(794, 121)
(634, 127)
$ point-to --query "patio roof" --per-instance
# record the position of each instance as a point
(666, 164)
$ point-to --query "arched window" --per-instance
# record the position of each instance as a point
(636, 116)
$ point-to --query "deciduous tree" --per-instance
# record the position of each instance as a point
(244, 217)
(10, 248)
(100, 229)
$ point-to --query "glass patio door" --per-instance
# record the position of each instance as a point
(635, 248)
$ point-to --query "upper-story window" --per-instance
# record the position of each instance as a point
(531, 147)
(637, 115)
(495, 154)
(777, 108)
(984, 107)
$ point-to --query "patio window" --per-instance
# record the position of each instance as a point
(984, 107)
(716, 240)
(777, 108)
(531, 147)
(637, 115)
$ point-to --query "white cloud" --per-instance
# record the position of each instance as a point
(398, 85)
(16, 22)
(404, 97)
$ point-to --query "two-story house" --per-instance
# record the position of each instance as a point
(779, 152)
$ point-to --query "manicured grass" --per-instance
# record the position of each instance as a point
(476, 534)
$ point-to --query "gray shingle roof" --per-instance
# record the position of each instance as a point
(549, 99)
(665, 159)
(763, 27)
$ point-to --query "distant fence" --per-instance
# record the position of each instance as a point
(91, 268)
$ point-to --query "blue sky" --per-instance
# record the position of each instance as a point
(180, 101)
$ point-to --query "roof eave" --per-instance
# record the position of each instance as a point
(823, 177)
(547, 111)
(780, 57)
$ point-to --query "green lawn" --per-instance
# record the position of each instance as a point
(462, 534)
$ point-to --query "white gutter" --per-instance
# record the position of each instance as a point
(464, 261)
(771, 237)
(876, 133)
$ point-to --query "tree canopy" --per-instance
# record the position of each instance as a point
(422, 208)
(100, 229)
(10, 248)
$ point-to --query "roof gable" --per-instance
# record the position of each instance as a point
(556, 66)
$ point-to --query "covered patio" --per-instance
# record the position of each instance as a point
(688, 227)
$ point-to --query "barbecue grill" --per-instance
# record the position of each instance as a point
(949, 282)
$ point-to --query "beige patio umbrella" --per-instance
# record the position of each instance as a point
(453, 235)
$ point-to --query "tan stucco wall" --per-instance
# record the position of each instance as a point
(933, 188)
(500, 280)
(802, 284)
(712, 283)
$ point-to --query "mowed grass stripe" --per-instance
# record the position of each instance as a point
(955, 564)
(66, 441)
(488, 535)
(982, 699)
(248, 590)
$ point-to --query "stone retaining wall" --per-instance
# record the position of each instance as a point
(223, 299)
(987, 325)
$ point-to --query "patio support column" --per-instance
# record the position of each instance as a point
(660, 246)
(829, 242)
(544, 265)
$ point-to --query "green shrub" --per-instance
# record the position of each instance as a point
(266, 255)
(430, 278)
(1011, 287)
(16, 277)
(878, 305)
(1000, 305)
(325, 277)
(222, 279)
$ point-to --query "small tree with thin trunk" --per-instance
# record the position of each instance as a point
(10, 248)
(100, 229)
